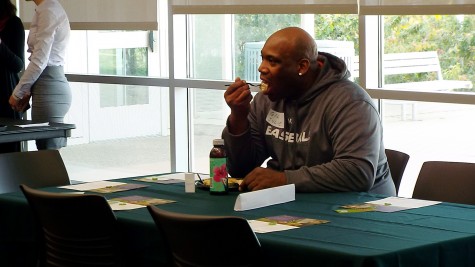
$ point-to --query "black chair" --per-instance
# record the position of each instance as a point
(34, 168)
(197, 240)
(397, 161)
(74, 230)
(446, 181)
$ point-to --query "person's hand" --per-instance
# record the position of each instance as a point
(13, 101)
(238, 97)
(19, 105)
(261, 178)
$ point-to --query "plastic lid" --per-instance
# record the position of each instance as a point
(218, 142)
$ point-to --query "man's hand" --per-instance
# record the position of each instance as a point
(261, 178)
(238, 97)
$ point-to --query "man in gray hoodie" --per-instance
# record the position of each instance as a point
(320, 131)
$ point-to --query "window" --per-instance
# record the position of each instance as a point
(428, 54)
(121, 129)
(132, 85)
(123, 62)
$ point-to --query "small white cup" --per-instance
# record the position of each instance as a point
(189, 182)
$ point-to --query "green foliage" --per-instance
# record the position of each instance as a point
(107, 61)
(133, 61)
(136, 61)
(337, 27)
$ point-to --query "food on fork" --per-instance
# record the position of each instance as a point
(262, 86)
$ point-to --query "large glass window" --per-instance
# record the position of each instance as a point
(121, 129)
(428, 54)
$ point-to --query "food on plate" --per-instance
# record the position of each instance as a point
(232, 182)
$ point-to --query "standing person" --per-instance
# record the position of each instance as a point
(321, 131)
(12, 47)
(44, 77)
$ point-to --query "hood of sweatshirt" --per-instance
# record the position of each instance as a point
(334, 69)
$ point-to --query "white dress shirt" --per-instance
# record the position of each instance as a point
(47, 42)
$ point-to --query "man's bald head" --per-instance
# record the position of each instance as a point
(289, 63)
(298, 43)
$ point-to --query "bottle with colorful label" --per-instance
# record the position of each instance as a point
(217, 168)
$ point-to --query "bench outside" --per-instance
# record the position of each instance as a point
(415, 62)
(420, 62)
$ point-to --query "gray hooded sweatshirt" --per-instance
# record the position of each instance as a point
(330, 139)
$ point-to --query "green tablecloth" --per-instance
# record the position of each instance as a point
(440, 235)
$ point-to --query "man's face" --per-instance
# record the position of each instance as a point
(278, 69)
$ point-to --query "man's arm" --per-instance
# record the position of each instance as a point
(238, 97)
(246, 150)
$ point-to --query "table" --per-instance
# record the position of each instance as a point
(16, 134)
(440, 235)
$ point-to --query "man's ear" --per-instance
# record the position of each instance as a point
(304, 66)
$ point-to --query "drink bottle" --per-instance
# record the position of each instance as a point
(217, 168)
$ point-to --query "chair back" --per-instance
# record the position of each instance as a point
(33, 168)
(197, 240)
(397, 161)
(446, 181)
(74, 230)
